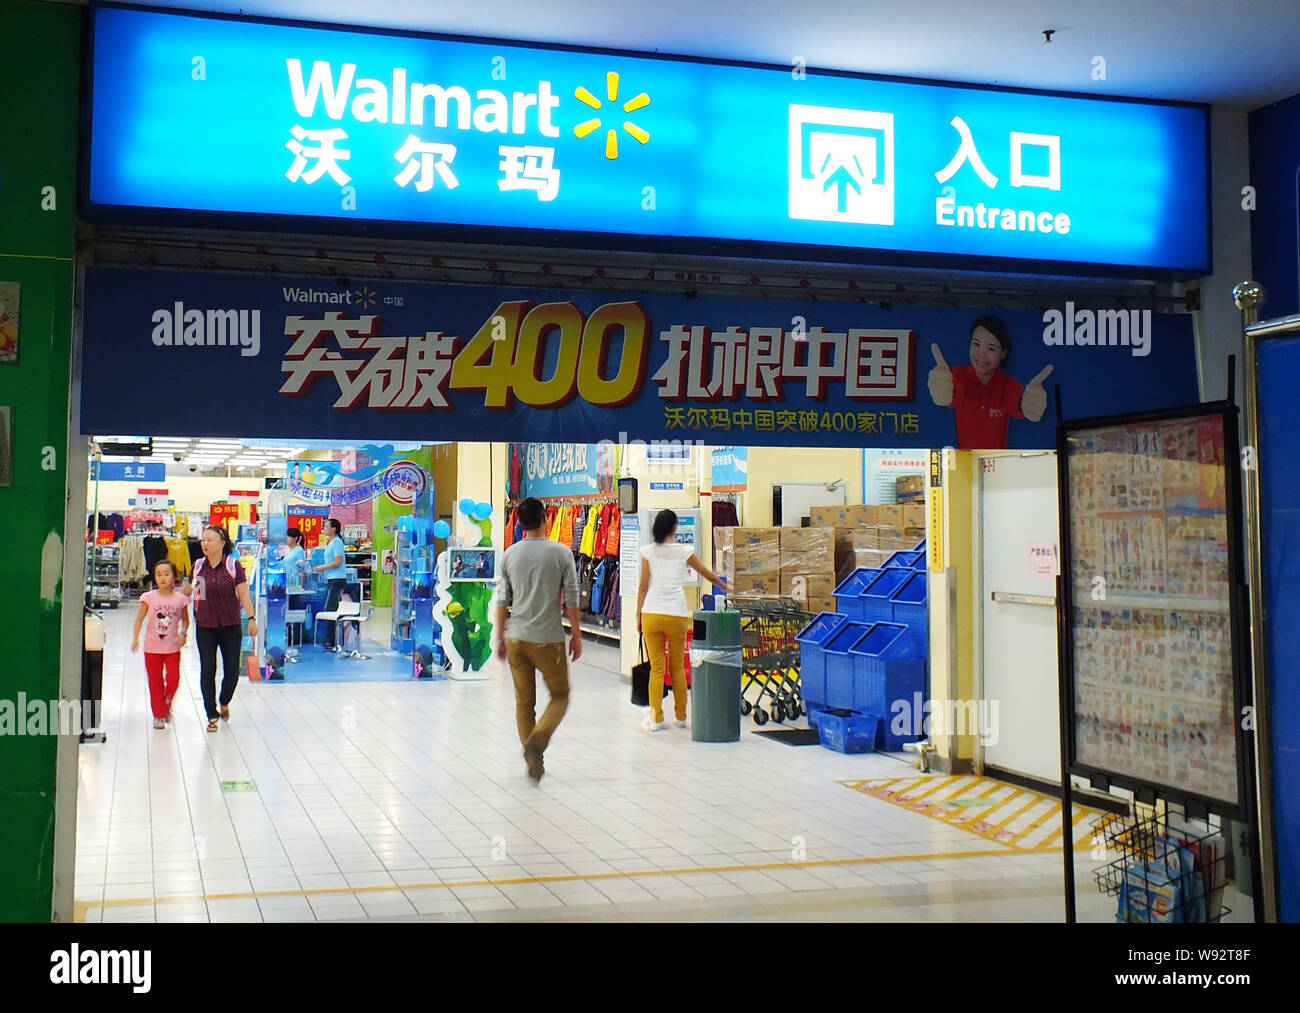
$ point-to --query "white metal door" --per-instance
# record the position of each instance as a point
(1018, 515)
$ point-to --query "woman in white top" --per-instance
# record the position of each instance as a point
(662, 615)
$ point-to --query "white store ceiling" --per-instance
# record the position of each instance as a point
(1242, 55)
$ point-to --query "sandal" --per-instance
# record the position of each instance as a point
(225, 712)
(159, 723)
(212, 724)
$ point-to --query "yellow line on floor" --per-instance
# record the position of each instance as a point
(1051, 838)
(984, 814)
(1054, 810)
(82, 906)
(984, 794)
(1015, 815)
(941, 786)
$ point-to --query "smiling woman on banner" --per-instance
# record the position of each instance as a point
(983, 398)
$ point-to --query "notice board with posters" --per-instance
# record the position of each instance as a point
(1153, 644)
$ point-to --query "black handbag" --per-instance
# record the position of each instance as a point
(641, 678)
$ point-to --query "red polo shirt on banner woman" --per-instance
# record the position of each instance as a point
(982, 410)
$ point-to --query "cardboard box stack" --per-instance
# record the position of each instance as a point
(869, 535)
(808, 567)
(910, 489)
(750, 558)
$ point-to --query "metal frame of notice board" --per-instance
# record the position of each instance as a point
(1195, 804)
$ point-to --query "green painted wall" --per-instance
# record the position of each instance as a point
(38, 149)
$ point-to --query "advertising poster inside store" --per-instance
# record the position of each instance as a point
(1151, 566)
(385, 360)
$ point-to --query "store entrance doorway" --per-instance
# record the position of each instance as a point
(1019, 532)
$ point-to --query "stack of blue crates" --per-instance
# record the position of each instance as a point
(870, 653)
(909, 609)
(848, 594)
(812, 659)
(876, 605)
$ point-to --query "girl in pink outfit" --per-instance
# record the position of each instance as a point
(166, 617)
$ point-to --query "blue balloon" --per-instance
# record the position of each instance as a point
(467, 506)
(441, 529)
(406, 523)
(482, 511)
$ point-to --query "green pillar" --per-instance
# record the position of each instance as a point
(38, 159)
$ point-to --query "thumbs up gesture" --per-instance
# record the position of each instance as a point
(940, 382)
(1034, 401)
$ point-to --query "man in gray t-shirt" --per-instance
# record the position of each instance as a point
(532, 575)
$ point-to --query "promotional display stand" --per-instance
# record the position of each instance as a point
(1151, 636)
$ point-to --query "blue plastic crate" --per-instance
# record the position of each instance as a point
(852, 733)
(875, 605)
(840, 664)
(848, 594)
(901, 560)
(910, 609)
(920, 547)
(814, 711)
(874, 653)
(812, 659)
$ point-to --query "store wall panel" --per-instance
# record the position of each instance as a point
(770, 466)
(1275, 223)
(38, 119)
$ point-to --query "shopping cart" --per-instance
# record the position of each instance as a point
(769, 678)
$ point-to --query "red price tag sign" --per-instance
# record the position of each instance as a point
(224, 515)
(104, 537)
(312, 530)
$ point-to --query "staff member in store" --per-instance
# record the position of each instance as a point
(983, 398)
(218, 587)
(334, 570)
(662, 616)
(294, 559)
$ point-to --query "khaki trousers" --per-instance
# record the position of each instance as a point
(526, 660)
(665, 642)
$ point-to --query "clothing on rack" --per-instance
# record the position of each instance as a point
(724, 514)
(106, 522)
(155, 549)
(131, 559)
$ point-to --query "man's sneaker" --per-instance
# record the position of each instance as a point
(533, 757)
(651, 725)
(680, 722)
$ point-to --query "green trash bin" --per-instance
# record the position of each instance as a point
(715, 677)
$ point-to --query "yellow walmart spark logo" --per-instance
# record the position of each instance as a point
(611, 135)
(365, 297)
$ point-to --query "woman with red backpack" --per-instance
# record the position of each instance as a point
(218, 588)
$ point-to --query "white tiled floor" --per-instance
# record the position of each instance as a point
(406, 800)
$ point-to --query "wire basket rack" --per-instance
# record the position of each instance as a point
(1168, 871)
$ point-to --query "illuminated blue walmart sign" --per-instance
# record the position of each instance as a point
(197, 114)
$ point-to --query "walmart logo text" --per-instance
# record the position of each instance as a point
(401, 102)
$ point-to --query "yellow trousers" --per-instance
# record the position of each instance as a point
(665, 642)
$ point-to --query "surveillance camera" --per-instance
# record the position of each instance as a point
(178, 457)
(194, 467)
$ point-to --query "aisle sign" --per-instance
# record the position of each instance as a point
(934, 535)
(296, 120)
(730, 469)
(127, 471)
(151, 499)
(629, 554)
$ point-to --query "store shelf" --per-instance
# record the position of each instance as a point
(604, 632)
